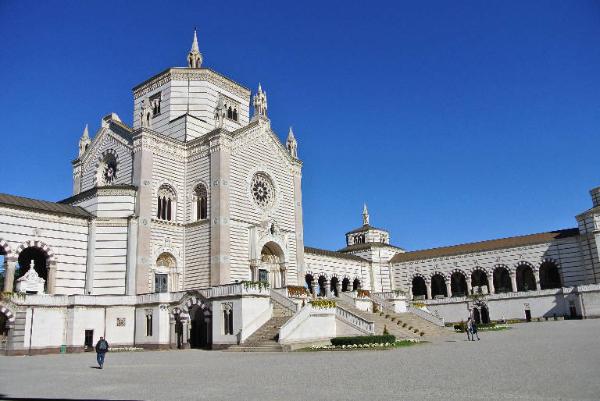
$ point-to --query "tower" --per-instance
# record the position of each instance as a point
(260, 103)
(194, 56)
(292, 145)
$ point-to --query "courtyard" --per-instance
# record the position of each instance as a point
(535, 361)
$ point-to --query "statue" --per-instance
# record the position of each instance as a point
(146, 113)
(219, 114)
(260, 103)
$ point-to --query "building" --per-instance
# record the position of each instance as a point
(176, 224)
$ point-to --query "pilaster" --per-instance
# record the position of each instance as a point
(299, 225)
(132, 244)
(90, 259)
(513, 281)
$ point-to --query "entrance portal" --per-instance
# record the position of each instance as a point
(200, 332)
(272, 266)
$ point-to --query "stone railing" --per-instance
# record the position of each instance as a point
(284, 301)
(426, 316)
(235, 289)
(355, 321)
(381, 301)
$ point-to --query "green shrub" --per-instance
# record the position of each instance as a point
(388, 338)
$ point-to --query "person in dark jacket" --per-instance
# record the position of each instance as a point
(101, 350)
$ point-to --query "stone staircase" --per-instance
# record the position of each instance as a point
(265, 339)
(402, 325)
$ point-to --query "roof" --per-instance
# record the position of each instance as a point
(490, 245)
(89, 193)
(368, 245)
(333, 254)
(365, 227)
(42, 206)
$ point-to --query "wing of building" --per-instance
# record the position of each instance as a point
(185, 229)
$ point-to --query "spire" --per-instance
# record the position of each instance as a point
(292, 145)
(365, 215)
(194, 56)
(260, 103)
(84, 141)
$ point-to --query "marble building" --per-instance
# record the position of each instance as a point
(186, 229)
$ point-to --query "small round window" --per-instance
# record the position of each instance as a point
(262, 190)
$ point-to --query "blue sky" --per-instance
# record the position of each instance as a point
(455, 121)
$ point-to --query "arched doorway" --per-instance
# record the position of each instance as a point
(333, 286)
(476, 316)
(525, 278)
(419, 289)
(200, 329)
(166, 277)
(549, 276)
(40, 262)
(502, 281)
(485, 315)
(308, 279)
(438, 286)
(458, 284)
(356, 284)
(272, 267)
(345, 284)
(322, 283)
(479, 282)
(3, 331)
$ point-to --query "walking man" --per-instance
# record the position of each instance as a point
(468, 328)
(474, 331)
(101, 350)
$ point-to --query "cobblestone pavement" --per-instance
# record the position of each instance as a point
(535, 361)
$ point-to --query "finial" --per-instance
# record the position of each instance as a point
(85, 132)
(292, 145)
(84, 141)
(365, 214)
(260, 103)
(291, 134)
(194, 56)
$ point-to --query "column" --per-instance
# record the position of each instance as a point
(536, 274)
(491, 288)
(9, 274)
(448, 288)
(51, 284)
(410, 293)
(315, 287)
(338, 287)
(469, 287)
(254, 270)
(328, 288)
(132, 244)
(428, 286)
(513, 281)
(91, 251)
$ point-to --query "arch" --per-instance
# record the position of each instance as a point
(196, 310)
(200, 202)
(549, 275)
(356, 284)
(485, 314)
(479, 281)
(107, 168)
(308, 279)
(50, 257)
(419, 287)
(235, 114)
(501, 277)
(166, 276)
(333, 286)
(6, 250)
(438, 285)
(476, 316)
(321, 280)
(525, 277)
(346, 284)
(272, 264)
(9, 316)
(166, 202)
(458, 283)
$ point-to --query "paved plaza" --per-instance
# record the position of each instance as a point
(535, 361)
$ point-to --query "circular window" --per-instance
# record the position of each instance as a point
(107, 170)
(262, 190)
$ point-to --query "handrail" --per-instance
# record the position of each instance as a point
(354, 320)
(426, 316)
(284, 301)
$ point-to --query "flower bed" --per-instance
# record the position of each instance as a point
(350, 347)
(296, 291)
(323, 303)
(386, 338)
(255, 284)
(363, 293)
(125, 349)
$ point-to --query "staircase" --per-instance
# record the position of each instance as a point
(265, 338)
(401, 325)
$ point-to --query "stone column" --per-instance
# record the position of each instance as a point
(410, 293)
(9, 274)
(536, 274)
(338, 287)
(428, 286)
(220, 157)
(513, 281)
(51, 283)
(328, 288)
(491, 288)
(254, 270)
(315, 287)
(91, 251)
(448, 288)
(469, 287)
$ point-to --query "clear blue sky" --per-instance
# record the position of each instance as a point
(455, 121)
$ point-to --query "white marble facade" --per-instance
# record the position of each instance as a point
(200, 194)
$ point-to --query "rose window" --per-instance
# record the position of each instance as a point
(262, 190)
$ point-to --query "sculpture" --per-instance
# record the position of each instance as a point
(219, 114)
(260, 103)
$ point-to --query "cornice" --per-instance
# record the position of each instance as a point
(108, 190)
(46, 216)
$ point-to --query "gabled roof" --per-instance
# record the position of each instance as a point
(490, 245)
(333, 254)
(42, 206)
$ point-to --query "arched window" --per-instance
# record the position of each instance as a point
(502, 281)
(235, 115)
(229, 113)
(549, 276)
(322, 290)
(200, 202)
(346, 284)
(479, 282)
(333, 286)
(166, 204)
(165, 274)
(438, 286)
(419, 289)
(356, 284)
(309, 280)
(525, 278)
